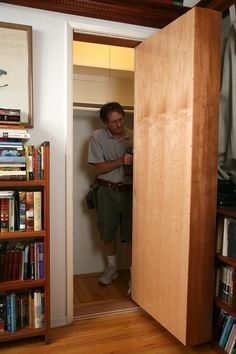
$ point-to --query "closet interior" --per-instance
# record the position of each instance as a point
(101, 73)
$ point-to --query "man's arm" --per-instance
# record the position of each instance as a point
(107, 166)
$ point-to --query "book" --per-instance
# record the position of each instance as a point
(4, 218)
(26, 262)
(231, 338)
(219, 236)
(231, 251)
(226, 331)
(9, 112)
(12, 159)
(41, 274)
(14, 133)
(37, 306)
(12, 214)
(2, 313)
(32, 261)
(37, 211)
(13, 312)
(225, 237)
(6, 194)
(22, 210)
(30, 211)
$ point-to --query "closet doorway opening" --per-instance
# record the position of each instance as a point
(103, 71)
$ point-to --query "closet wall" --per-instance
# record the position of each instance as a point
(93, 85)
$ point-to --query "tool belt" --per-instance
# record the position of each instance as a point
(120, 187)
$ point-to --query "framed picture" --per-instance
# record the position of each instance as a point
(16, 70)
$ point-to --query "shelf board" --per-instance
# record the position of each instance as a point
(227, 211)
(19, 235)
(220, 303)
(13, 285)
(33, 183)
(226, 260)
(22, 333)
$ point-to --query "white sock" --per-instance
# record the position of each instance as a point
(112, 260)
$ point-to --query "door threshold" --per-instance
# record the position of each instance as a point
(105, 313)
(105, 308)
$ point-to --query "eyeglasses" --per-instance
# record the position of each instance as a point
(116, 122)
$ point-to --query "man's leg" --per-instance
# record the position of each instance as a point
(110, 272)
(108, 220)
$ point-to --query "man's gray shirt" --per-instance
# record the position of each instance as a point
(103, 147)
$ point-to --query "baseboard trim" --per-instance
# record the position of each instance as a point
(59, 322)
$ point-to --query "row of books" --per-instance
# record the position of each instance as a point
(20, 211)
(21, 260)
(21, 163)
(226, 237)
(225, 283)
(19, 310)
(226, 328)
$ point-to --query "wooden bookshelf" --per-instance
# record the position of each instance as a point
(224, 212)
(26, 286)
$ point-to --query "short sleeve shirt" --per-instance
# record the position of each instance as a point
(103, 147)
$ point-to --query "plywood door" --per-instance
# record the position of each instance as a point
(175, 131)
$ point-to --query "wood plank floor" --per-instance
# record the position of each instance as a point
(94, 299)
(127, 333)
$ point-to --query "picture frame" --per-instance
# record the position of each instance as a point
(16, 90)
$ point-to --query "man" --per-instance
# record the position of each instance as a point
(108, 153)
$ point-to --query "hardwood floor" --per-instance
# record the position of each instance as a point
(93, 299)
(126, 333)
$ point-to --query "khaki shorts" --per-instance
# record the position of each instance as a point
(114, 210)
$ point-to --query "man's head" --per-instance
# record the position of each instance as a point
(113, 115)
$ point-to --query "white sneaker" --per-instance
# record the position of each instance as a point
(130, 288)
(108, 275)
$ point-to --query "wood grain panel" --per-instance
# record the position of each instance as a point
(165, 175)
(204, 173)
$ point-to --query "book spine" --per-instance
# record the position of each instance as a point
(12, 214)
(13, 312)
(35, 162)
(31, 168)
(37, 211)
(4, 215)
(22, 210)
(32, 264)
(41, 260)
(26, 262)
(29, 211)
(2, 313)
(8, 305)
(37, 305)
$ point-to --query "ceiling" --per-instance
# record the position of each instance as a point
(151, 13)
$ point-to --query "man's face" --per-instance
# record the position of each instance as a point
(116, 123)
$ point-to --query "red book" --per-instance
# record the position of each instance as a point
(29, 211)
(4, 219)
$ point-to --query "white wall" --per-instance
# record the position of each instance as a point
(50, 85)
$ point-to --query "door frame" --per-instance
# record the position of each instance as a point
(100, 28)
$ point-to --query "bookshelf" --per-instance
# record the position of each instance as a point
(32, 293)
(225, 294)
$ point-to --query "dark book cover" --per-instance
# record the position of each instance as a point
(232, 239)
